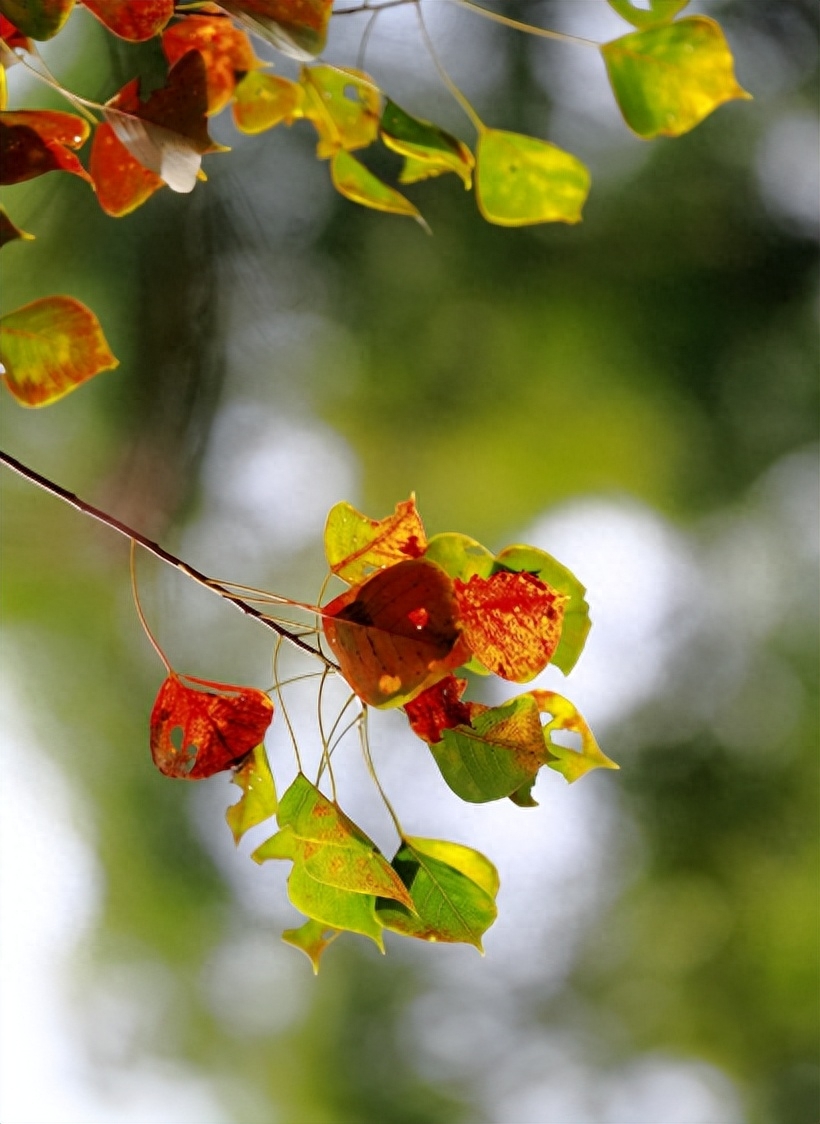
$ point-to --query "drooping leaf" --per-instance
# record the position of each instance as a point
(297, 28)
(263, 100)
(50, 347)
(36, 141)
(576, 623)
(395, 634)
(135, 22)
(522, 180)
(453, 890)
(571, 763)
(344, 107)
(122, 183)
(357, 183)
(312, 938)
(498, 752)
(258, 800)
(357, 546)
(667, 79)
(227, 52)
(37, 19)
(438, 708)
(196, 733)
(511, 622)
(429, 150)
(9, 232)
(658, 12)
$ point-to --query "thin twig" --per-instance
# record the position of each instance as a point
(528, 28)
(164, 555)
(475, 120)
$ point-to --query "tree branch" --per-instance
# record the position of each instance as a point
(159, 552)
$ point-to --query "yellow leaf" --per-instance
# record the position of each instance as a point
(521, 180)
(355, 182)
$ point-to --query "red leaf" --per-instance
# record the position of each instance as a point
(36, 141)
(12, 37)
(385, 652)
(439, 708)
(196, 733)
(134, 20)
(226, 50)
(511, 622)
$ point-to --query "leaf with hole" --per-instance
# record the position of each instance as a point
(343, 105)
(571, 763)
(522, 180)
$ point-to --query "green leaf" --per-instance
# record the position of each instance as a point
(576, 623)
(50, 347)
(339, 909)
(453, 890)
(499, 752)
(258, 800)
(667, 79)
(430, 151)
(344, 106)
(37, 19)
(658, 12)
(9, 232)
(357, 183)
(298, 30)
(357, 546)
(459, 555)
(521, 180)
(312, 939)
(571, 763)
(264, 100)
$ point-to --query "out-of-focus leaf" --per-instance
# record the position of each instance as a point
(196, 733)
(658, 12)
(439, 708)
(571, 763)
(13, 39)
(258, 800)
(50, 347)
(498, 752)
(344, 107)
(667, 79)
(430, 151)
(312, 938)
(576, 623)
(227, 51)
(521, 180)
(395, 634)
(357, 546)
(453, 890)
(134, 21)
(357, 183)
(263, 100)
(36, 141)
(297, 28)
(37, 19)
(9, 232)
(511, 622)
(121, 182)
(459, 555)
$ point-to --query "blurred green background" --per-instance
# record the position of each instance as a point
(637, 395)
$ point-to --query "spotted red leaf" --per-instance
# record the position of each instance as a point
(36, 141)
(227, 52)
(196, 733)
(439, 708)
(134, 21)
(121, 182)
(511, 622)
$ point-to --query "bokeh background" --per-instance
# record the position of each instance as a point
(637, 395)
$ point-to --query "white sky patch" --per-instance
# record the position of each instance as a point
(788, 171)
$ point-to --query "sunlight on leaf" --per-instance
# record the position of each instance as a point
(430, 151)
(395, 634)
(357, 183)
(297, 28)
(357, 546)
(658, 12)
(344, 107)
(36, 141)
(135, 22)
(438, 708)
(9, 232)
(522, 180)
(258, 800)
(37, 19)
(50, 347)
(459, 555)
(264, 100)
(196, 733)
(571, 763)
(312, 938)
(667, 79)
(227, 52)
(453, 890)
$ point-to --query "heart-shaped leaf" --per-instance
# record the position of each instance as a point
(522, 180)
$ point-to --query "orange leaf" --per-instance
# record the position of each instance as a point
(49, 347)
(121, 182)
(356, 546)
(439, 708)
(36, 141)
(12, 36)
(227, 51)
(196, 733)
(396, 633)
(134, 20)
(511, 622)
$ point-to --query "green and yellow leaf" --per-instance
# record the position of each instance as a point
(357, 546)
(357, 183)
(658, 11)
(258, 800)
(344, 106)
(522, 180)
(571, 763)
(312, 938)
(429, 150)
(262, 101)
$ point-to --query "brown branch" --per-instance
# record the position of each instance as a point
(159, 552)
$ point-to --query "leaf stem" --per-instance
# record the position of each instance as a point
(527, 28)
(475, 120)
(132, 566)
(164, 555)
(371, 768)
